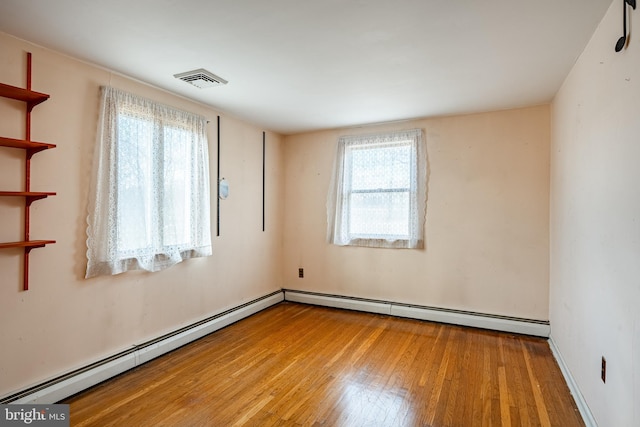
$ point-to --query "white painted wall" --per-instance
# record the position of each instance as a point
(487, 227)
(64, 321)
(595, 222)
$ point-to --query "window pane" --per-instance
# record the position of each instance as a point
(150, 207)
(379, 215)
(379, 195)
(177, 186)
(134, 183)
(381, 166)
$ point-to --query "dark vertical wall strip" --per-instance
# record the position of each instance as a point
(264, 152)
(218, 184)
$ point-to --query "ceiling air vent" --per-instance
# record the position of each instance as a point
(201, 78)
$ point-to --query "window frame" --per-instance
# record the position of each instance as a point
(339, 203)
(162, 128)
(157, 180)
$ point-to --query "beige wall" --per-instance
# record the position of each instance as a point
(487, 219)
(65, 321)
(595, 223)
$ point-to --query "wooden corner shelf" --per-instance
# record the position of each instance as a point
(31, 98)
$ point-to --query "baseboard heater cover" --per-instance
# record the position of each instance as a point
(69, 384)
(74, 382)
(516, 325)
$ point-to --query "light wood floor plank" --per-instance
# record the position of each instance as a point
(298, 365)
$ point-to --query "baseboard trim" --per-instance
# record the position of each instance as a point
(581, 403)
(74, 382)
(516, 325)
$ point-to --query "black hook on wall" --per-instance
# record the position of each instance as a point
(622, 41)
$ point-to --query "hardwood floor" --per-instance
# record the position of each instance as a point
(299, 365)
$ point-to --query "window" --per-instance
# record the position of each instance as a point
(378, 193)
(149, 207)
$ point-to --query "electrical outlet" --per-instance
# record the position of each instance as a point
(301, 273)
(603, 370)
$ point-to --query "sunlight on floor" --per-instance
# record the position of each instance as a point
(367, 404)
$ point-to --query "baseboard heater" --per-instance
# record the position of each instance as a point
(539, 328)
(74, 382)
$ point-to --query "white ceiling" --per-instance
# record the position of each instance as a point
(299, 65)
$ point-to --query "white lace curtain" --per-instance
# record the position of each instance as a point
(377, 196)
(149, 198)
